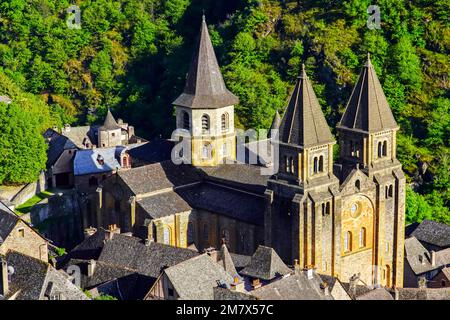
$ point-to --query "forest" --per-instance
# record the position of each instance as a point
(132, 56)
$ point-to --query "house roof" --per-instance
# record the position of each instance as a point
(240, 261)
(376, 294)
(110, 123)
(226, 261)
(266, 265)
(415, 251)
(164, 204)
(433, 233)
(205, 88)
(33, 279)
(81, 135)
(368, 109)
(156, 150)
(228, 294)
(423, 294)
(195, 279)
(86, 161)
(8, 221)
(293, 287)
(158, 176)
(303, 121)
(57, 143)
(132, 253)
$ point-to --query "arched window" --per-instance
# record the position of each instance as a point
(321, 164)
(207, 151)
(190, 233)
(362, 237)
(286, 164)
(391, 191)
(384, 148)
(316, 165)
(186, 121)
(225, 122)
(323, 209)
(93, 182)
(358, 184)
(166, 235)
(205, 123)
(387, 191)
(328, 210)
(348, 241)
(291, 164)
(380, 150)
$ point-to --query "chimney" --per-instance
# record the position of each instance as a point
(309, 272)
(433, 258)
(89, 232)
(237, 285)
(324, 287)
(213, 253)
(256, 283)
(91, 267)
(4, 279)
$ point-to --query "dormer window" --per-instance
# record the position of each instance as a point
(100, 160)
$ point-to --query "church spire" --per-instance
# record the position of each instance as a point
(368, 110)
(303, 122)
(205, 88)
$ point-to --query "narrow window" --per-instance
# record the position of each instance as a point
(186, 121)
(380, 150)
(190, 233)
(358, 184)
(323, 209)
(387, 191)
(362, 237)
(226, 237)
(321, 164)
(391, 191)
(224, 150)
(316, 165)
(21, 232)
(224, 121)
(348, 241)
(207, 151)
(328, 208)
(205, 123)
(286, 164)
(166, 235)
(113, 134)
(384, 148)
(291, 163)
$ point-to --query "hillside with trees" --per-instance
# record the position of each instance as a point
(133, 55)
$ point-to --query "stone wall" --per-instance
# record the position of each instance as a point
(29, 190)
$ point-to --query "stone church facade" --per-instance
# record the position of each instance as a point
(343, 217)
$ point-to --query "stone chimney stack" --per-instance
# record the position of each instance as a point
(91, 267)
(4, 279)
(433, 258)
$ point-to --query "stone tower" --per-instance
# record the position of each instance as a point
(298, 223)
(372, 185)
(344, 219)
(206, 107)
(110, 133)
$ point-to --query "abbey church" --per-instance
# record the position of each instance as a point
(342, 216)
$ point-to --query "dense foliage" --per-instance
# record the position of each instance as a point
(132, 55)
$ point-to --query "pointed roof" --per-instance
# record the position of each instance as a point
(303, 122)
(205, 88)
(226, 261)
(265, 265)
(275, 123)
(368, 109)
(110, 123)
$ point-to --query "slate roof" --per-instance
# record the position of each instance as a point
(226, 261)
(376, 294)
(293, 287)
(57, 143)
(368, 109)
(414, 249)
(195, 279)
(240, 261)
(205, 88)
(164, 204)
(132, 253)
(90, 248)
(423, 294)
(156, 150)
(86, 161)
(110, 123)
(232, 203)
(157, 176)
(265, 265)
(276, 122)
(239, 175)
(303, 121)
(80, 135)
(8, 221)
(434, 233)
(228, 294)
(32, 279)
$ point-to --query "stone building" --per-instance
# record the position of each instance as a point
(18, 235)
(342, 218)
